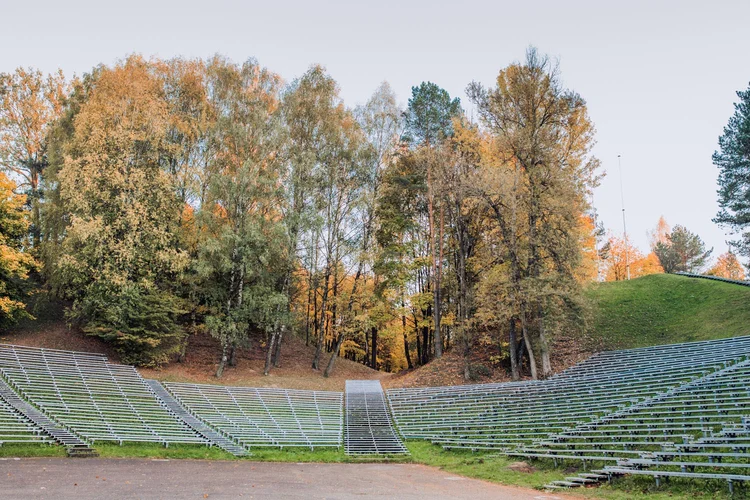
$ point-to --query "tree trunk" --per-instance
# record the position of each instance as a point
(434, 264)
(406, 337)
(519, 356)
(36, 233)
(223, 362)
(543, 345)
(374, 352)
(529, 347)
(419, 341)
(334, 355)
(513, 348)
(269, 353)
(233, 355)
(437, 312)
(307, 316)
(277, 348)
(321, 333)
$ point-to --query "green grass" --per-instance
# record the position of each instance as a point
(31, 450)
(320, 455)
(666, 309)
(494, 468)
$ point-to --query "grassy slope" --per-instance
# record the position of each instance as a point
(666, 309)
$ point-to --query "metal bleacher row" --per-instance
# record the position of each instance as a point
(85, 399)
(17, 428)
(97, 400)
(676, 410)
(260, 417)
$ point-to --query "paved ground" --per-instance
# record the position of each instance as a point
(83, 479)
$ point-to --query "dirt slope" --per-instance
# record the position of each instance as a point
(50, 331)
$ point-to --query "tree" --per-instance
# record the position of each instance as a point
(617, 254)
(29, 104)
(15, 263)
(119, 258)
(727, 266)
(660, 234)
(328, 156)
(242, 257)
(683, 252)
(733, 161)
(429, 121)
(380, 123)
(535, 193)
(429, 115)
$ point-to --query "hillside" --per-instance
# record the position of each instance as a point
(666, 309)
(656, 309)
(652, 310)
(50, 331)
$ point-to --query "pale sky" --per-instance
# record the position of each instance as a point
(659, 77)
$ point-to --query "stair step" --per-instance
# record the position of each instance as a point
(582, 480)
(555, 487)
(569, 484)
(593, 476)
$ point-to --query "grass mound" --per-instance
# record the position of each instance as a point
(666, 309)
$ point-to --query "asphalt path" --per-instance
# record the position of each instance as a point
(83, 479)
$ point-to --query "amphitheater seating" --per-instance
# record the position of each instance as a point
(97, 400)
(260, 417)
(15, 428)
(660, 409)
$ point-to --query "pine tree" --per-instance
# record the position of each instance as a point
(682, 252)
(733, 160)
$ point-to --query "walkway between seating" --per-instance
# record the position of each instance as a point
(369, 428)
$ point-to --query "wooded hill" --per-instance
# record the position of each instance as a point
(652, 310)
(164, 199)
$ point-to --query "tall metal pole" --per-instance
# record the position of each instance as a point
(624, 226)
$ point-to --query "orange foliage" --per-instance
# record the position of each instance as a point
(727, 266)
(621, 254)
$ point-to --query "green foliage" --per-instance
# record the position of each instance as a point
(241, 257)
(119, 257)
(664, 309)
(733, 161)
(139, 321)
(430, 113)
(682, 252)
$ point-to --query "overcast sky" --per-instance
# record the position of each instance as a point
(659, 77)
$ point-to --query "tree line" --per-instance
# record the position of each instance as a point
(168, 198)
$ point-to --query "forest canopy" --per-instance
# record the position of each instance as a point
(169, 198)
